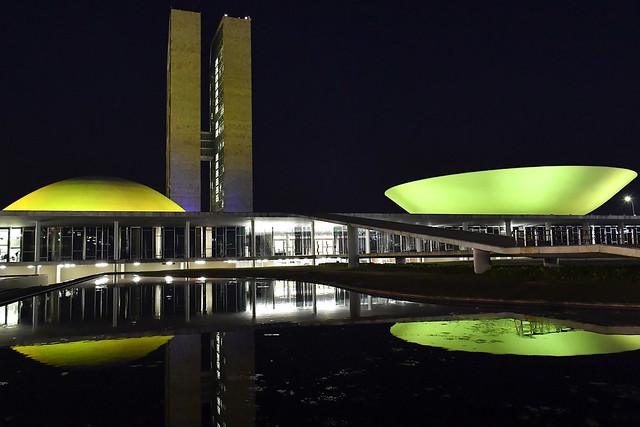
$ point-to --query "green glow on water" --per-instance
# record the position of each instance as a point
(543, 190)
(513, 336)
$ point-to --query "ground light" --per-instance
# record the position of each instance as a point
(629, 199)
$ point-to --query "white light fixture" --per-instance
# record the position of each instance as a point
(137, 263)
(102, 281)
(169, 263)
(136, 279)
(168, 279)
(201, 279)
(30, 266)
(629, 199)
(2, 267)
(200, 261)
(102, 264)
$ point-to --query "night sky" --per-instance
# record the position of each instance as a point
(349, 97)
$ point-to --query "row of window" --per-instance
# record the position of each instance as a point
(68, 243)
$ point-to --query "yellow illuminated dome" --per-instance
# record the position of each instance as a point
(86, 194)
(82, 354)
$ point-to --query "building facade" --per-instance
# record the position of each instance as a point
(183, 110)
(66, 245)
(230, 117)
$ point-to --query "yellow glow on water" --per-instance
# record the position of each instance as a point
(92, 194)
(543, 190)
(513, 336)
(92, 353)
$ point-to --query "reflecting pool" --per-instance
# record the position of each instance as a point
(153, 351)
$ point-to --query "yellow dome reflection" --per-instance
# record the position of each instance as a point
(92, 353)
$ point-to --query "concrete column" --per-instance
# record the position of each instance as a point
(354, 305)
(465, 227)
(36, 247)
(187, 239)
(313, 242)
(115, 306)
(481, 261)
(182, 381)
(253, 240)
(508, 229)
(548, 234)
(367, 243)
(315, 300)
(418, 244)
(187, 301)
(585, 237)
(116, 240)
(35, 311)
(352, 245)
(621, 234)
(58, 273)
(254, 299)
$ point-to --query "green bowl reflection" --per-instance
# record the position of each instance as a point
(513, 336)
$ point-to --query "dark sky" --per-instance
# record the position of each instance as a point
(350, 97)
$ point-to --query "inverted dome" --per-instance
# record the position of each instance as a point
(105, 194)
(92, 353)
(542, 190)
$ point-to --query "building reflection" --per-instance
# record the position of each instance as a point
(132, 301)
(208, 378)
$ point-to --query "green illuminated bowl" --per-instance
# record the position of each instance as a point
(542, 190)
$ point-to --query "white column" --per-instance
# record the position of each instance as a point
(253, 241)
(481, 261)
(116, 240)
(465, 227)
(508, 230)
(367, 243)
(313, 243)
(36, 248)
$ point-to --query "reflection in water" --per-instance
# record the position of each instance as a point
(92, 353)
(111, 303)
(208, 378)
(513, 336)
(232, 355)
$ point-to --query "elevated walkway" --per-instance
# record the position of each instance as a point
(482, 244)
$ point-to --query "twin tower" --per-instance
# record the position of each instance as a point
(209, 170)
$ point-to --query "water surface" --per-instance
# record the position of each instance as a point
(128, 350)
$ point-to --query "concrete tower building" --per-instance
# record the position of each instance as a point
(183, 109)
(230, 120)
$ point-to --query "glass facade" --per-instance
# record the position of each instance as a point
(216, 124)
(273, 238)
